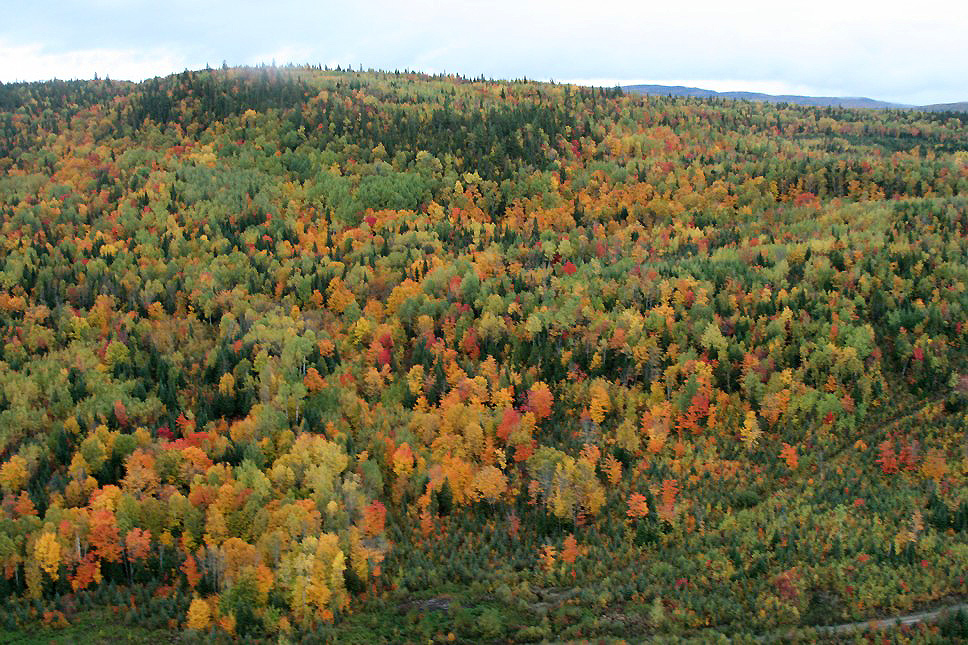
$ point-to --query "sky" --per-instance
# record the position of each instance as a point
(905, 52)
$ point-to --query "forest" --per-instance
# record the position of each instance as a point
(307, 355)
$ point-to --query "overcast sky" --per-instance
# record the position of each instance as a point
(909, 52)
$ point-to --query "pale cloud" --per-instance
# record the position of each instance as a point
(32, 62)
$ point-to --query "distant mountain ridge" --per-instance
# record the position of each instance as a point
(961, 106)
(815, 101)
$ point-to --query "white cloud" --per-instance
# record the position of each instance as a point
(32, 62)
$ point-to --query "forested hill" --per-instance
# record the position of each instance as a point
(298, 354)
(946, 107)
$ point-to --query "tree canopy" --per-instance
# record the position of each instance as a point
(283, 349)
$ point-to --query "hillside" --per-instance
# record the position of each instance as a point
(296, 355)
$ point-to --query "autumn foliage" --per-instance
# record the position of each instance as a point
(285, 347)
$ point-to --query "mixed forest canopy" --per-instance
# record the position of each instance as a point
(300, 354)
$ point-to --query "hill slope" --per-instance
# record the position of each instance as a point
(295, 354)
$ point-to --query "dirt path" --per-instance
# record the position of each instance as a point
(906, 619)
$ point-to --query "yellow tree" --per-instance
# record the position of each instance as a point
(47, 551)
(14, 474)
(199, 614)
(599, 402)
(142, 476)
(490, 483)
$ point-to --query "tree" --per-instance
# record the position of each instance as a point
(226, 385)
(934, 465)
(540, 400)
(137, 544)
(14, 474)
(190, 568)
(887, 458)
(141, 477)
(104, 536)
(570, 550)
(575, 488)
(199, 614)
(613, 470)
(656, 423)
(547, 555)
(313, 381)
(670, 490)
(88, 572)
(599, 401)
(403, 460)
(789, 454)
(750, 431)
(490, 483)
(47, 550)
(374, 518)
(638, 506)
